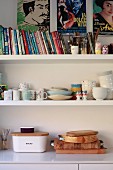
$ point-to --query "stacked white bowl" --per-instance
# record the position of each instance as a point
(106, 81)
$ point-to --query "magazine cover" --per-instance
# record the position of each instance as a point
(71, 16)
(33, 15)
(103, 16)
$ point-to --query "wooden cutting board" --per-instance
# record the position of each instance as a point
(79, 151)
(81, 133)
(79, 139)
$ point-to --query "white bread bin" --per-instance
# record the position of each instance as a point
(29, 142)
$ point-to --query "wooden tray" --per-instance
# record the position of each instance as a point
(81, 151)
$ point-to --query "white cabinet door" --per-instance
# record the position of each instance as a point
(96, 167)
(38, 167)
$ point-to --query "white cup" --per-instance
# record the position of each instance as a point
(74, 49)
(41, 94)
(16, 94)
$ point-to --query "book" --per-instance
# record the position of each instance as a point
(1, 44)
(47, 43)
(15, 42)
(57, 42)
(6, 47)
(9, 43)
(22, 43)
(28, 42)
(19, 43)
(50, 42)
(25, 42)
(39, 36)
(38, 42)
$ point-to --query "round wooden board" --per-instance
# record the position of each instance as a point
(81, 133)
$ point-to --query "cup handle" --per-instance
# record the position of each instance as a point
(45, 94)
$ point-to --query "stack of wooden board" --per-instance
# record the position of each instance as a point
(84, 142)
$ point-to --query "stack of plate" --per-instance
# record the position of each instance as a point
(59, 94)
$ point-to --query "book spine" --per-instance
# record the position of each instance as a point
(12, 42)
(22, 43)
(6, 48)
(28, 41)
(56, 42)
(53, 45)
(1, 45)
(31, 43)
(38, 43)
(10, 37)
(25, 42)
(47, 52)
(18, 40)
(9, 43)
(49, 42)
(35, 44)
(41, 42)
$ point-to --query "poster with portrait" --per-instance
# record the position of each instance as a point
(71, 16)
(33, 15)
(103, 17)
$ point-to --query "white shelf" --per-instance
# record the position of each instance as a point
(48, 59)
(57, 103)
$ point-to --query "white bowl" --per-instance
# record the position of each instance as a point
(100, 93)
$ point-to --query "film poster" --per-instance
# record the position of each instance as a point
(103, 17)
(71, 16)
(33, 15)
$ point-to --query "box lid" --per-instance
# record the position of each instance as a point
(30, 134)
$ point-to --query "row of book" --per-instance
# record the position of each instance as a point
(21, 42)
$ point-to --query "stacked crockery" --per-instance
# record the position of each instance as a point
(106, 81)
(59, 94)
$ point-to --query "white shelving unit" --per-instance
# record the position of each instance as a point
(58, 103)
(59, 59)
(53, 59)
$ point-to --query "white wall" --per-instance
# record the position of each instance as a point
(55, 120)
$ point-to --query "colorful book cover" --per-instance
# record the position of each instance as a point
(33, 15)
(22, 43)
(1, 45)
(71, 16)
(28, 41)
(38, 43)
(18, 41)
(103, 17)
(57, 42)
(51, 43)
(25, 41)
(9, 41)
(6, 48)
(35, 44)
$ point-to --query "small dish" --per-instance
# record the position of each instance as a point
(59, 92)
(59, 97)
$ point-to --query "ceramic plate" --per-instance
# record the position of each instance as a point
(59, 92)
(59, 97)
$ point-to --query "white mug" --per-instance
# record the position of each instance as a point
(41, 94)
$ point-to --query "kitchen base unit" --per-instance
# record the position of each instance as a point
(96, 167)
(38, 167)
(10, 160)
